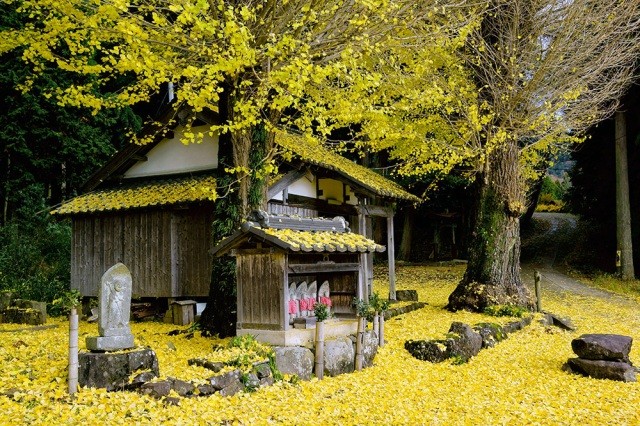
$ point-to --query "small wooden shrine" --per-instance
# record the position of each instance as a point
(287, 264)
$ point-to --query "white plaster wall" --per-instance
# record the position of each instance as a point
(332, 190)
(171, 156)
(305, 186)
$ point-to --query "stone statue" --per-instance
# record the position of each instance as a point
(114, 299)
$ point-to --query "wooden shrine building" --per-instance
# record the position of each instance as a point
(277, 256)
(151, 207)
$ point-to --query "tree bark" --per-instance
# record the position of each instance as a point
(493, 272)
(623, 210)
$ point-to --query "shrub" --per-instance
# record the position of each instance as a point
(35, 259)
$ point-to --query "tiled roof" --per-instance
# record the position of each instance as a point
(316, 154)
(299, 241)
(323, 241)
(146, 194)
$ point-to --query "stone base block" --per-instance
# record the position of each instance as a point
(304, 322)
(17, 315)
(407, 295)
(109, 343)
(112, 371)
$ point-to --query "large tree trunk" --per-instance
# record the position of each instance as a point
(493, 272)
(623, 210)
(246, 151)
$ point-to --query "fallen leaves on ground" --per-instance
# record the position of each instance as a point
(520, 381)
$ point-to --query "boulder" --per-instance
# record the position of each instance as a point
(295, 360)
(262, 369)
(406, 295)
(206, 390)
(232, 389)
(370, 347)
(564, 323)
(427, 350)
(209, 365)
(140, 380)
(608, 347)
(181, 387)
(225, 380)
(111, 371)
(463, 342)
(156, 389)
(491, 333)
(517, 325)
(339, 356)
(252, 382)
(599, 369)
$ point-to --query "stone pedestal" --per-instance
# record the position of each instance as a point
(111, 371)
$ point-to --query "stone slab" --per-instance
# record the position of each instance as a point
(109, 343)
(598, 369)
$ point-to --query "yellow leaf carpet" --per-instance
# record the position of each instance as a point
(518, 382)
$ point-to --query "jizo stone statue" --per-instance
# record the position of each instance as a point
(114, 298)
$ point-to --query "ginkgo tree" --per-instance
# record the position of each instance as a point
(526, 78)
(260, 66)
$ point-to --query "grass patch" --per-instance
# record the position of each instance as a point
(613, 284)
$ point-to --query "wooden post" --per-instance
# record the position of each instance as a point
(320, 350)
(392, 256)
(73, 351)
(537, 277)
(360, 343)
(381, 327)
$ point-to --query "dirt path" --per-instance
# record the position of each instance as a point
(553, 279)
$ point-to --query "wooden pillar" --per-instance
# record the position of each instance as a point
(392, 256)
(363, 278)
(361, 291)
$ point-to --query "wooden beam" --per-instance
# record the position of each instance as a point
(284, 183)
(373, 210)
(322, 267)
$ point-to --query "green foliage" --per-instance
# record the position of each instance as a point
(275, 373)
(377, 304)
(362, 307)
(552, 195)
(506, 311)
(34, 259)
(63, 304)
(321, 311)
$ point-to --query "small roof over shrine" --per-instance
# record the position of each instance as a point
(298, 234)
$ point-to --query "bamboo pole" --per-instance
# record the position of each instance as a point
(73, 351)
(360, 343)
(320, 350)
(376, 323)
(381, 327)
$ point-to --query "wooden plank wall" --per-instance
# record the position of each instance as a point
(276, 208)
(260, 301)
(143, 242)
(194, 246)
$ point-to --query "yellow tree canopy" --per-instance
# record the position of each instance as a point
(383, 67)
